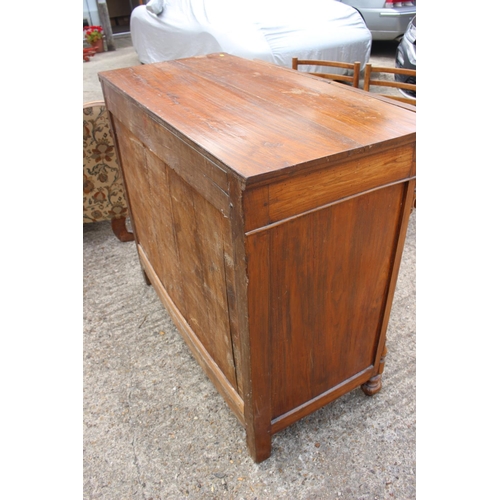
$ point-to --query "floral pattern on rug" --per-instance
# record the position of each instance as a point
(103, 191)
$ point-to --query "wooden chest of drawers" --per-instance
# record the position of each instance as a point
(270, 210)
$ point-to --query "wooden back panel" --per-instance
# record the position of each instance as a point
(187, 245)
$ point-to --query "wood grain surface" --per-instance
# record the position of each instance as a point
(260, 120)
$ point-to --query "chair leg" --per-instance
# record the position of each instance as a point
(120, 229)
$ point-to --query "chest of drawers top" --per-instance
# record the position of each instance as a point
(256, 120)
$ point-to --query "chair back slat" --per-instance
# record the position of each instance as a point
(351, 76)
(373, 78)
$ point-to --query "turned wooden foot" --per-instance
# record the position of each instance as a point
(120, 229)
(375, 383)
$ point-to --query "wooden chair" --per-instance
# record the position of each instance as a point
(351, 78)
(374, 76)
(389, 81)
(103, 191)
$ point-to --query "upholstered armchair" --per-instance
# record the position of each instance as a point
(103, 191)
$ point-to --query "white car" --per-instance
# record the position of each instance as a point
(386, 19)
(270, 30)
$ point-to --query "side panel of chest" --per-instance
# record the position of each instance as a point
(328, 244)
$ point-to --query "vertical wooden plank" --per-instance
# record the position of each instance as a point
(167, 266)
(184, 220)
(212, 229)
(407, 206)
(251, 262)
(259, 345)
(232, 304)
(134, 169)
(198, 226)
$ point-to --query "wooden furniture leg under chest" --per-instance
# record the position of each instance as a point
(270, 210)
